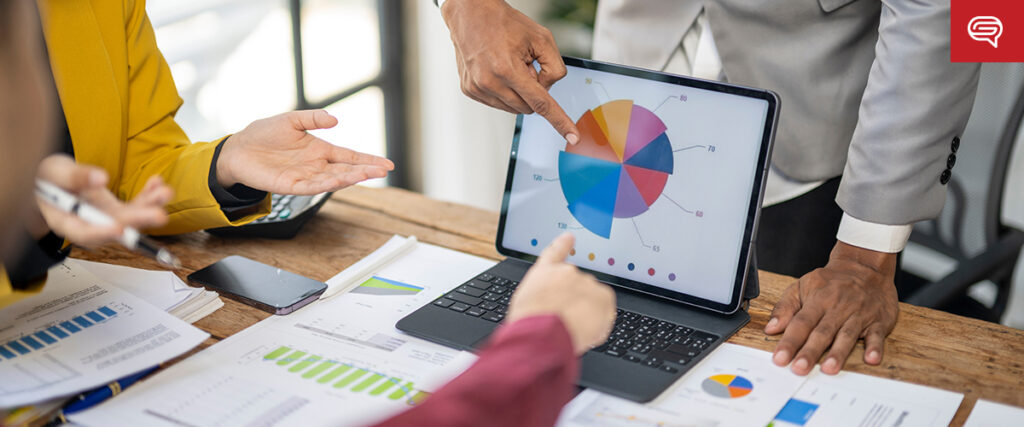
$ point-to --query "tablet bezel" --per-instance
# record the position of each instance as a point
(753, 210)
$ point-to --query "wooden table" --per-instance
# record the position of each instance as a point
(979, 359)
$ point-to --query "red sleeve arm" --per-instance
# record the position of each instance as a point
(523, 377)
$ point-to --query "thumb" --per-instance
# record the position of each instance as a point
(312, 119)
(558, 250)
(62, 171)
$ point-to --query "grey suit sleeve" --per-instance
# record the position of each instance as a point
(915, 102)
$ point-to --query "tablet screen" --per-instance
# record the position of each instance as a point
(660, 189)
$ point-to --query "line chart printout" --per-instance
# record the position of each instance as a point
(735, 386)
(79, 333)
(657, 189)
(338, 361)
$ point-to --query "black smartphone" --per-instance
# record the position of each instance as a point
(262, 286)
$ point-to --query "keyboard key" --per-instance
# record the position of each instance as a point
(498, 289)
(666, 356)
(669, 369)
(460, 307)
(614, 351)
(487, 305)
(683, 331)
(479, 285)
(444, 302)
(640, 348)
(471, 291)
(654, 363)
(704, 336)
(631, 358)
(285, 214)
(659, 344)
(492, 316)
(684, 350)
(485, 277)
(491, 297)
(501, 282)
(465, 299)
(476, 311)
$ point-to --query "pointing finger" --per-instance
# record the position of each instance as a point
(558, 250)
(542, 103)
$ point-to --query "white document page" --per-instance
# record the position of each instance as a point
(851, 399)
(338, 361)
(160, 288)
(79, 333)
(734, 386)
(991, 414)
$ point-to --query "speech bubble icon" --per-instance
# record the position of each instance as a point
(985, 29)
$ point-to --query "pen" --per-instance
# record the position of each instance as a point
(92, 398)
(130, 237)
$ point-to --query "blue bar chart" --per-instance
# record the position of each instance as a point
(53, 334)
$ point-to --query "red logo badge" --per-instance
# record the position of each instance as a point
(986, 31)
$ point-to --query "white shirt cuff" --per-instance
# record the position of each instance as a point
(876, 237)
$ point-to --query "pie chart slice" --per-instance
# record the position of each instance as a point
(727, 386)
(644, 127)
(619, 167)
(594, 209)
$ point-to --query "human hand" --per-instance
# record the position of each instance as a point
(852, 297)
(495, 47)
(552, 286)
(146, 210)
(276, 154)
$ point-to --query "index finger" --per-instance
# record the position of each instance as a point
(558, 250)
(542, 103)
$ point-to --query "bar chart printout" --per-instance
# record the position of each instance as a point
(345, 376)
(80, 332)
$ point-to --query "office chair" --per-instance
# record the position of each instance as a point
(1002, 239)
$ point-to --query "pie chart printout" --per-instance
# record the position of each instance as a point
(727, 386)
(618, 168)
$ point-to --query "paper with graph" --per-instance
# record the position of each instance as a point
(80, 332)
(336, 362)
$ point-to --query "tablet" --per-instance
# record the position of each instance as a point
(663, 190)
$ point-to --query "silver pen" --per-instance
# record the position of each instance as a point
(130, 237)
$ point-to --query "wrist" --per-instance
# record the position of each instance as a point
(881, 262)
(222, 164)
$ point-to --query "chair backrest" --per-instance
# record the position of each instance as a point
(987, 179)
(1012, 202)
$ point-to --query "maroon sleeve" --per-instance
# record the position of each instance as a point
(523, 378)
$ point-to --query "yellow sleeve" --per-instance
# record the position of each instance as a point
(157, 145)
(9, 295)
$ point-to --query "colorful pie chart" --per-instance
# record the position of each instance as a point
(727, 386)
(618, 168)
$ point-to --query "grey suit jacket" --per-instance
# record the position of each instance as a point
(867, 87)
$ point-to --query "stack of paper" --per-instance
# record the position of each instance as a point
(160, 288)
(338, 361)
(79, 333)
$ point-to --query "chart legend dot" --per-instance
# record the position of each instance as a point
(591, 256)
(672, 277)
(611, 261)
(631, 267)
(533, 242)
(650, 271)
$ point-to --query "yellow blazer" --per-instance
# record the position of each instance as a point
(119, 102)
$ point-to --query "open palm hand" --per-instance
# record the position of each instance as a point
(277, 155)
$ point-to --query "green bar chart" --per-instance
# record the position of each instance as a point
(343, 376)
